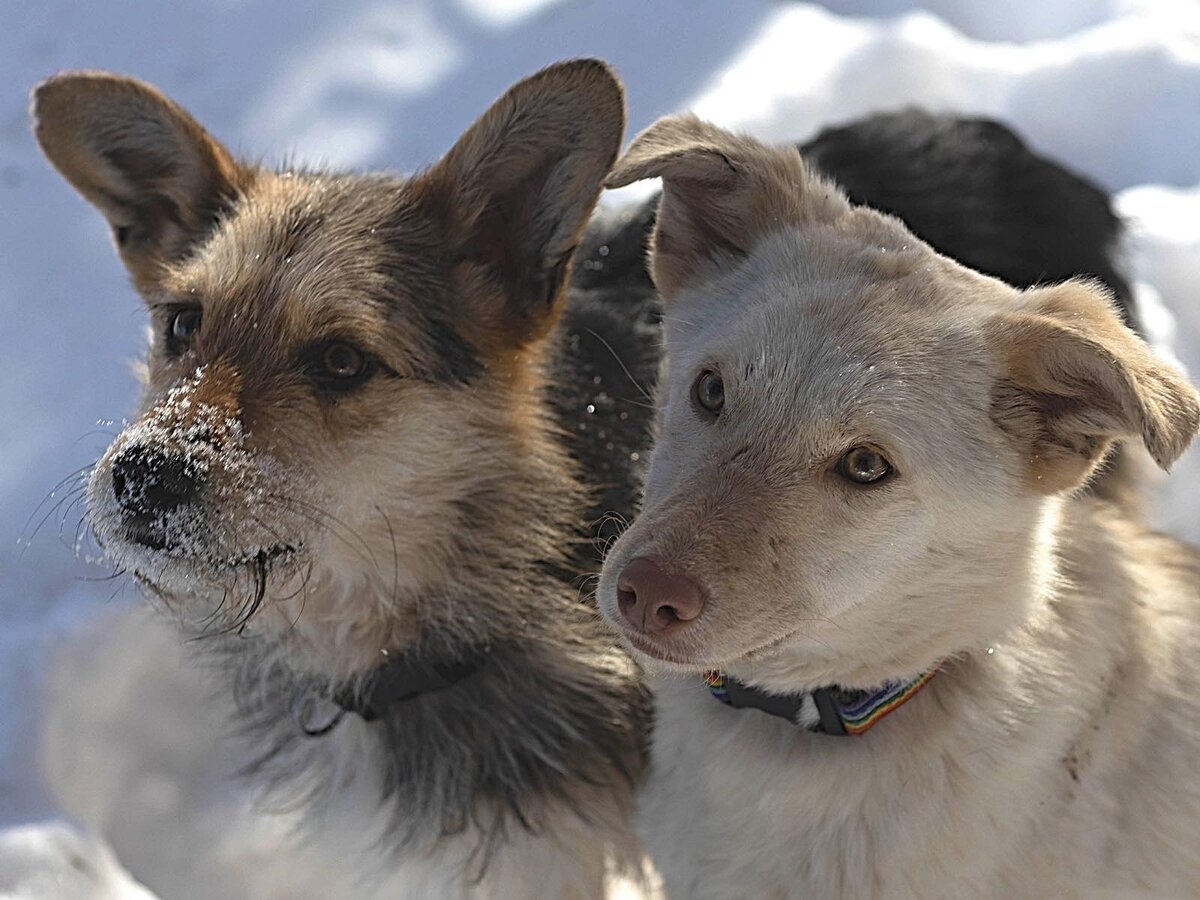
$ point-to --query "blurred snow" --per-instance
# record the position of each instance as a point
(55, 862)
(100, 719)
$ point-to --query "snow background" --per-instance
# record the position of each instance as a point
(101, 723)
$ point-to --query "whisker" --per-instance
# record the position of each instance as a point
(621, 363)
(304, 601)
(212, 616)
(308, 573)
(66, 498)
(322, 518)
(80, 527)
(75, 501)
(105, 431)
(117, 573)
(395, 555)
(650, 406)
(53, 490)
(80, 487)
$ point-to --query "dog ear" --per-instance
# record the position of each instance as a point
(721, 193)
(1075, 379)
(157, 176)
(516, 192)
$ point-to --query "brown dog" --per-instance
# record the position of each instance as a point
(345, 475)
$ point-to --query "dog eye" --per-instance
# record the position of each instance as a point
(708, 393)
(343, 361)
(182, 327)
(864, 465)
(341, 366)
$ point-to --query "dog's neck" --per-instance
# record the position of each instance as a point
(544, 706)
(543, 717)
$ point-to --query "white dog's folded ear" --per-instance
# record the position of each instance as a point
(721, 193)
(157, 176)
(1075, 379)
(517, 189)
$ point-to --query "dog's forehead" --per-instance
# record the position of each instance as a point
(826, 333)
(813, 302)
(300, 253)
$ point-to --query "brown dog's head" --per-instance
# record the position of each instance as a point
(343, 370)
(860, 441)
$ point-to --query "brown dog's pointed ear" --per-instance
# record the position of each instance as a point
(516, 192)
(1075, 379)
(721, 193)
(157, 176)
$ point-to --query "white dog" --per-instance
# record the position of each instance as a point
(866, 495)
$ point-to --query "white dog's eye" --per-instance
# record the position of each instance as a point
(864, 465)
(708, 393)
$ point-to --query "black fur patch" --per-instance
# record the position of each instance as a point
(605, 369)
(416, 270)
(977, 193)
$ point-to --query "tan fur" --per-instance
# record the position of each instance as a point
(498, 177)
(300, 258)
(153, 171)
(1050, 757)
(1078, 378)
(429, 500)
(706, 205)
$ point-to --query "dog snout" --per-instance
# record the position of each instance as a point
(657, 601)
(150, 482)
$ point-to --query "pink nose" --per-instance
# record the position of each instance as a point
(656, 601)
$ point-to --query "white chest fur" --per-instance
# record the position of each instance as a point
(982, 786)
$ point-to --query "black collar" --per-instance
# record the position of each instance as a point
(828, 710)
(404, 677)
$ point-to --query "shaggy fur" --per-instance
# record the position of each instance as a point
(1050, 756)
(311, 525)
(436, 509)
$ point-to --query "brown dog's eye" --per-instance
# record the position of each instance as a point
(182, 327)
(343, 361)
(341, 366)
(864, 465)
(709, 393)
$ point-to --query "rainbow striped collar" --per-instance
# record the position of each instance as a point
(829, 710)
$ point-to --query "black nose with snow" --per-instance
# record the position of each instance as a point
(150, 483)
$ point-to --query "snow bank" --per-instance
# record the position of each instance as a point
(55, 862)
(100, 719)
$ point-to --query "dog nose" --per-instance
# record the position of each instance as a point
(654, 600)
(149, 482)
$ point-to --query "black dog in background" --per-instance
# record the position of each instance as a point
(969, 187)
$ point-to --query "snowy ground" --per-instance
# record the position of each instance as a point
(99, 721)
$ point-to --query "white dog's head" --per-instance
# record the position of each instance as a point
(859, 439)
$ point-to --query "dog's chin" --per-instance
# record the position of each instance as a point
(659, 659)
(666, 657)
(180, 564)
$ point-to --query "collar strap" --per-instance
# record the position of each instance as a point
(405, 677)
(828, 710)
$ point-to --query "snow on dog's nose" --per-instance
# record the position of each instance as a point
(148, 482)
